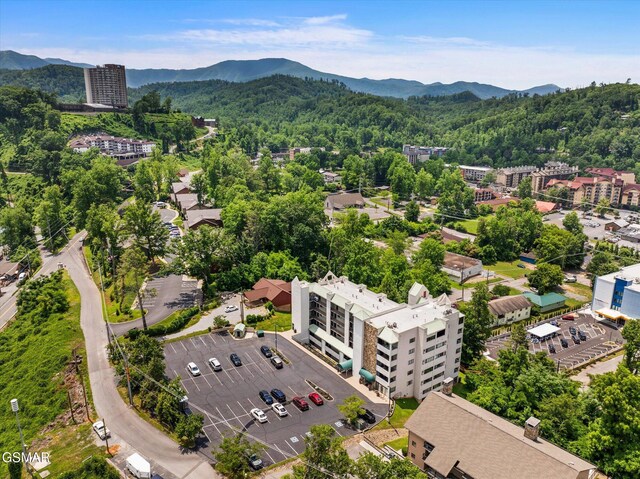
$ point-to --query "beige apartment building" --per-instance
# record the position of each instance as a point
(106, 85)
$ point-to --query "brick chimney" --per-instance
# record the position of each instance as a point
(532, 428)
(447, 386)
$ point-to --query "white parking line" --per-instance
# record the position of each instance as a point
(194, 344)
(252, 403)
(239, 404)
(294, 393)
(336, 431)
(208, 383)
(236, 417)
(267, 452)
(215, 375)
(200, 337)
(211, 337)
(223, 418)
(174, 349)
(294, 451)
(228, 375)
(182, 344)
(195, 384)
(280, 450)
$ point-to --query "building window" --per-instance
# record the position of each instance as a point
(458, 341)
(413, 456)
(413, 443)
(394, 357)
(409, 373)
(410, 362)
(431, 338)
(459, 330)
(392, 390)
(409, 383)
(458, 350)
(461, 320)
(412, 350)
(393, 368)
(441, 333)
(412, 340)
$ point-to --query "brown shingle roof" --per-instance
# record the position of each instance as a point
(269, 289)
(508, 304)
(344, 200)
(485, 446)
(459, 262)
(211, 215)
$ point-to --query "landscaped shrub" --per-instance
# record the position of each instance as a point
(176, 325)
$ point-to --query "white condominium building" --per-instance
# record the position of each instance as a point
(401, 350)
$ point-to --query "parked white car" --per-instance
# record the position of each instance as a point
(279, 409)
(101, 430)
(215, 364)
(230, 308)
(193, 369)
(259, 415)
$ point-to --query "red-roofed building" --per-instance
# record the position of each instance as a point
(627, 177)
(630, 195)
(546, 206)
(498, 202)
(274, 290)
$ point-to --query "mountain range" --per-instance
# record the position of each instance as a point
(248, 70)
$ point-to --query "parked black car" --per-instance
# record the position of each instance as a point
(575, 339)
(266, 351)
(368, 416)
(278, 395)
(572, 330)
(266, 397)
(564, 342)
(582, 335)
(552, 349)
(235, 359)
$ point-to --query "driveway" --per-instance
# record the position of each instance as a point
(206, 321)
(226, 397)
(163, 296)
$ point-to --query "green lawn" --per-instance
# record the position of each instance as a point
(508, 268)
(282, 320)
(470, 226)
(398, 444)
(460, 388)
(403, 410)
(581, 289)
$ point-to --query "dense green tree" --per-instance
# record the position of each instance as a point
(188, 428)
(133, 267)
(402, 178)
(477, 324)
(525, 189)
(501, 290)
(431, 250)
(372, 466)
(50, 217)
(323, 454)
(232, 456)
(456, 198)
(198, 185)
(146, 228)
(572, 224)
(518, 336)
(602, 262)
(204, 251)
(412, 211)
(16, 229)
(603, 207)
(351, 408)
(631, 334)
(143, 183)
(268, 173)
(425, 185)
(545, 277)
(560, 247)
(353, 176)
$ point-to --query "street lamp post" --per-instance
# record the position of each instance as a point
(15, 408)
(276, 329)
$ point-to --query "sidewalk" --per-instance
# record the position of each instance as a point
(353, 380)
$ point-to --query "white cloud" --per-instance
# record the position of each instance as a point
(325, 20)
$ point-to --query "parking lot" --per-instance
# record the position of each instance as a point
(600, 339)
(226, 397)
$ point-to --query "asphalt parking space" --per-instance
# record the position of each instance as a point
(600, 339)
(226, 397)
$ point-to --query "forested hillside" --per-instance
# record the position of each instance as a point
(67, 82)
(598, 125)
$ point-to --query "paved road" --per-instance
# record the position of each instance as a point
(122, 421)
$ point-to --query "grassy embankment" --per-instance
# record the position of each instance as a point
(35, 353)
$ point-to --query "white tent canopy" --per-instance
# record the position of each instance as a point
(544, 330)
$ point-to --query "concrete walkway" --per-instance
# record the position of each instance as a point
(601, 367)
(353, 380)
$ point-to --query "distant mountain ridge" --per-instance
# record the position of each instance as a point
(247, 70)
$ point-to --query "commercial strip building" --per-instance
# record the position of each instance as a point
(106, 85)
(401, 350)
(509, 309)
(418, 154)
(616, 296)
(450, 437)
(460, 267)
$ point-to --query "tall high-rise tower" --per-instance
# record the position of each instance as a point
(106, 85)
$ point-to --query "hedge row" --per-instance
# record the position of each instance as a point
(176, 325)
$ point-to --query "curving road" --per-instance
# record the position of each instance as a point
(135, 433)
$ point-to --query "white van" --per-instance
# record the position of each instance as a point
(215, 364)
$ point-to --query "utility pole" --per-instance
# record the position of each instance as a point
(71, 407)
(276, 327)
(126, 368)
(106, 435)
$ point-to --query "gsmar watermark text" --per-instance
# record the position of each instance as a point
(25, 457)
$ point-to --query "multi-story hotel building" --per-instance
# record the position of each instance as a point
(511, 177)
(418, 154)
(106, 85)
(552, 170)
(401, 350)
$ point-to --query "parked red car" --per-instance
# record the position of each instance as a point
(316, 399)
(569, 317)
(300, 403)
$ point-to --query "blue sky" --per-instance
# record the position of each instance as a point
(513, 44)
